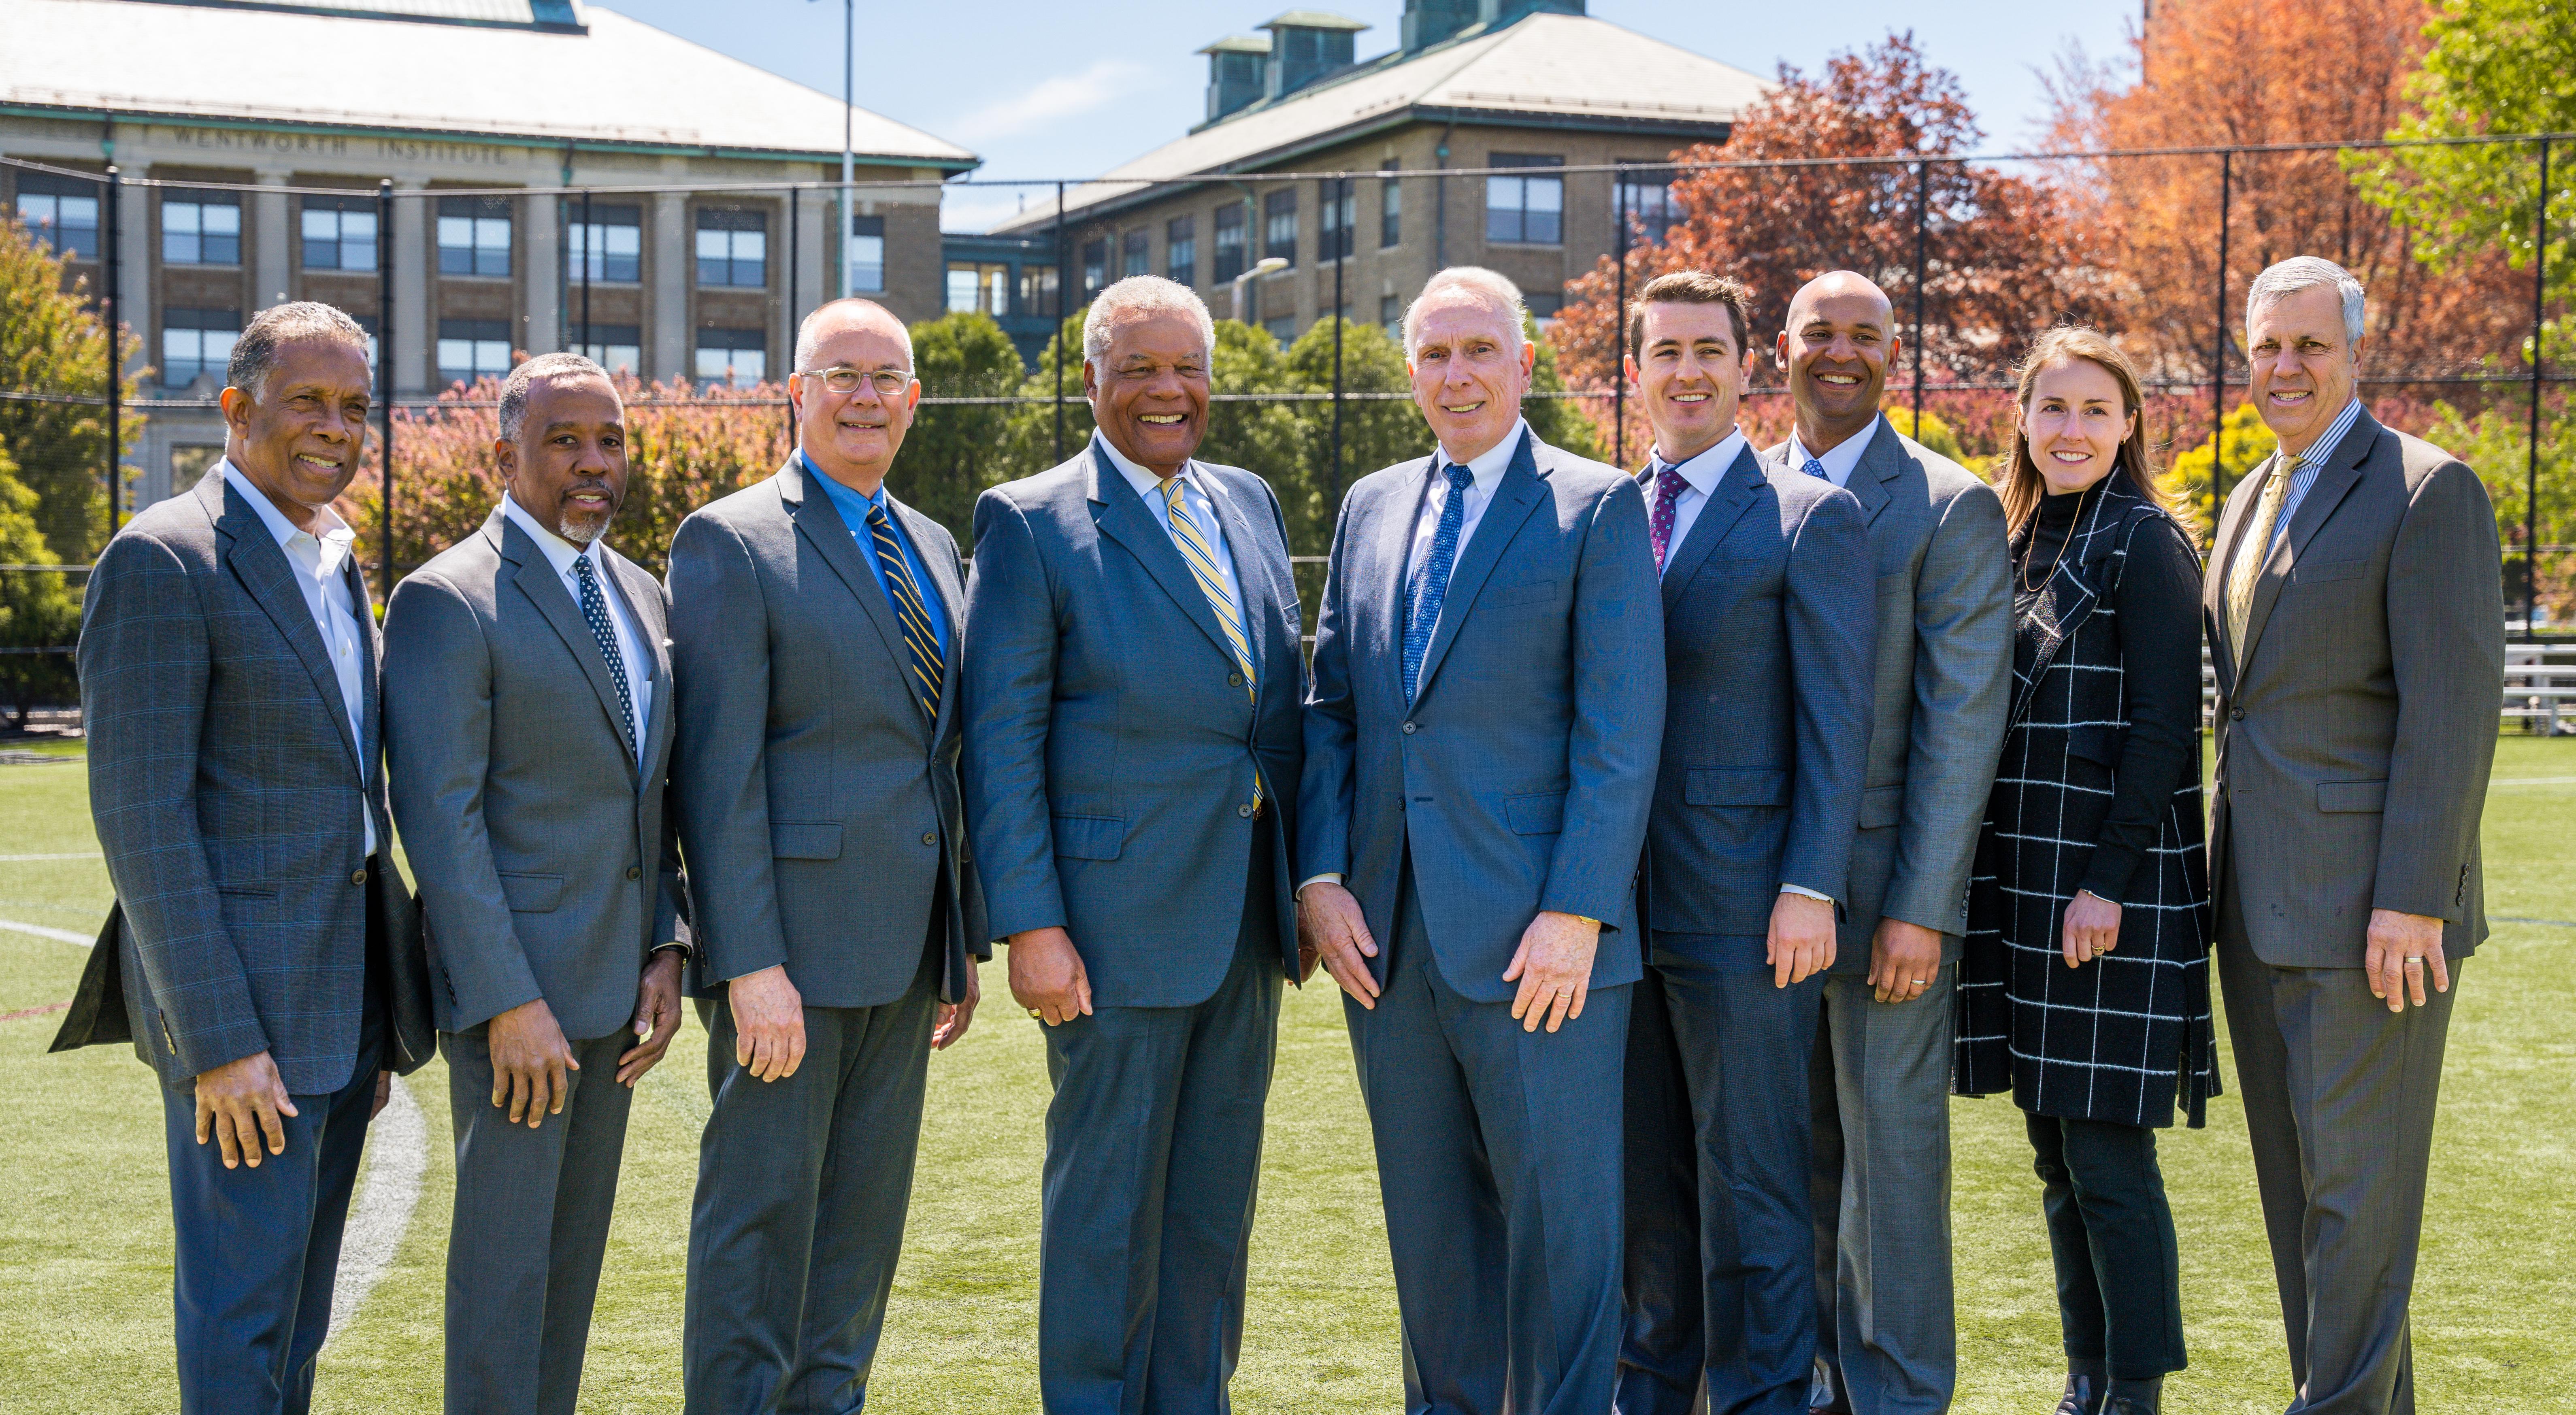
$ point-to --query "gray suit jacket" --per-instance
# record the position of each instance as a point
(2353, 749)
(818, 807)
(1943, 686)
(547, 864)
(1521, 774)
(230, 800)
(1767, 642)
(1110, 785)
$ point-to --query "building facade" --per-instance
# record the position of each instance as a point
(693, 258)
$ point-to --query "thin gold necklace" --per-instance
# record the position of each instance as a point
(2024, 575)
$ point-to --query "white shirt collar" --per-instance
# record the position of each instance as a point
(329, 532)
(2336, 431)
(559, 553)
(1488, 466)
(1845, 455)
(1147, 482)
(1706, 470)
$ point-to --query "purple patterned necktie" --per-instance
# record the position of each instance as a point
(1669, 486)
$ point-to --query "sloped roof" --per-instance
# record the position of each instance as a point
(1570, 68)
(621, 83)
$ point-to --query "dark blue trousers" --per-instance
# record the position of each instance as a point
(258, 1249)
(1498, 1161)
(1720, 1280)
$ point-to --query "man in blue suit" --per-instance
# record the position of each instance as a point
(1132, 700)
(1767, 644)
(1480, 758)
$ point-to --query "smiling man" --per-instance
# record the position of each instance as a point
(263, 957)
(528, 713)
(2356, 612)
(1880, 1079)
(1480, 759)
(1132, 691)
(837, 923)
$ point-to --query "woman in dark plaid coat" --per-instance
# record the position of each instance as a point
(2085, 984)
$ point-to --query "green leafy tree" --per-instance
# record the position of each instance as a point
(953, 450)
(1380, 426)
(51, 342)
(39, 609)
(1560, 422)
(2248, 442)
(2496, 443)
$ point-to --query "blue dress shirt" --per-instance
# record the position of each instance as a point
(854, 514)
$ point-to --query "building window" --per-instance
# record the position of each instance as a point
(980, 289)
(61, 213)
(470, 349)
(1229, 241)
(474, 236)
(1525, 210)
(1544, 304)
(1390, 210)
(608, 247)
(1139, 254)
(200, 228)
(867, 254)
(613, 347)
(195, 343)
(1283, 329)
(1181, 249)
(1647, 194)
(1038, 292)
(367, 324)
(733, 249)
(1279, 225)
(1340, 235)
(736, 356)
(1390, 313)
(1095, 267)
(339, 233)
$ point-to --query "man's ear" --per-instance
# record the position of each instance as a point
(505, 456)
(1780, 351)
(237, 408)
(1090, 383)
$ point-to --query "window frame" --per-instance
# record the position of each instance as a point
(867, 256)
(199, 322)
(741, 242)
(340, 211)
(742, 340)
(1390, 209)
(63, 238)
(1181, 249)
(1230, 256)
(490, 232)
(1279, 225)
(197, 204)
(1513, 223)
(480, 337)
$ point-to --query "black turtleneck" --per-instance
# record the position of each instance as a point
(2158, 603)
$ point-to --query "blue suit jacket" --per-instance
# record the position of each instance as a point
(1521, 774)
(1769, 631)
(1110, 743)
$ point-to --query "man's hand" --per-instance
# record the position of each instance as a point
(955, 1017)
(239, 1102)
(1047, 976)
(1332, 929)
(1903, 960)
(768, 1023)
(657, 1016)
(1554, 968)
(1802, 938)
(531, 1063)
(2092, 928)
(384, 1094)
(2403, 948)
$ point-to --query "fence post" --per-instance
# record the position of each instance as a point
(2218, 358)
(1348, 243)
(385, 368)
(1619, 321)
(1062, 289)
(1922, 231)
(794, 232)
(112, 311)
(2531, 471)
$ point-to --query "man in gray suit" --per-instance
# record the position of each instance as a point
(815, 625)
(1132, 691)
(528, 733)
(1886, 1340)
(2356, 612)
(263, 957)
(1480, 759)
(1767, 642)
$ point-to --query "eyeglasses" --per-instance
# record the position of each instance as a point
(843, 380)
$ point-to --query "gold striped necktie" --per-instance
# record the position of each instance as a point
(920, 645)
(2252, 551)
(1201, 558)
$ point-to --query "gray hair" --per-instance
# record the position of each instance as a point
(1143, 295)
(808, 337)
(514, 391)
(1490, 286)
(255, 353)
(2307, 272)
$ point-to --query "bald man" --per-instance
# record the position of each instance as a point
(815, 623)
(1880, 1078)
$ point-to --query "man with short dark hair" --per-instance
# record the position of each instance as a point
(1767, 642)
(263, 956)
(528, 713)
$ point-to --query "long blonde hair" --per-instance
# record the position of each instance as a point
(2023, 486)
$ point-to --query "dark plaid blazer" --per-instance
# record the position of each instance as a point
(229, 797)
(2124, 1037)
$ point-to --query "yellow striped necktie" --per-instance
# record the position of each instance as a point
(1201, 557)
(2252, 550)
(921, 646)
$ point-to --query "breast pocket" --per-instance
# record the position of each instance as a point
(1520, 592)
(1090, 837)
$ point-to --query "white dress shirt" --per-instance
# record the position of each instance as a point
(1702, 474)
(561, 554)
(1841, 460)
(320, 560)
(1194, 497)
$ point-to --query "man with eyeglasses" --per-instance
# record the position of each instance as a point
(815, 625)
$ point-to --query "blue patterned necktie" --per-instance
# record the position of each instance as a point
(1816, 468)
(919, 644)
(594, 609)
(1434, 586)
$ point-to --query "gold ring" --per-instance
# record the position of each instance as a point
(1033, 1012)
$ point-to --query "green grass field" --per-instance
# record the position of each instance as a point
(85, 1253)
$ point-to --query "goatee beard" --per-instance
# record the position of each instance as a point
(581, 533)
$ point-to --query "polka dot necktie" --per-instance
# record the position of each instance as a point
(1669, 485)
(594, 608)
(1816, 468)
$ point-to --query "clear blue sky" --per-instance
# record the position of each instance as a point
(1069, 89)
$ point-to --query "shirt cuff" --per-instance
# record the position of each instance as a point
(1805, 893)
(1333, 877)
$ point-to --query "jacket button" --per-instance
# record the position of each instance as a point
(1234, 680)
(1408, 729)
(1244, 810)
(2236, 714)
(930, 837)
(634, 872)
(358, 876)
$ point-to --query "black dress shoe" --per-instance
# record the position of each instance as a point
(2134, 1397)
(2084, 1383)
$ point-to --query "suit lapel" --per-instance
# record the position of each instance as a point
(819, 521)
(260, 564)
(1260, 597)
(370, 655)
(1882, 462)
(1733, 495)
(535, 578)
(2335, 480)
(2070, 594)
(1123, 517)
(643, 600)
(2231, 528)
(1394, 548)
(951, 595)
(1515, 496)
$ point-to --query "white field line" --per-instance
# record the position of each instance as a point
(74, 855)
(57, 935)
(397, 1155)
(2535, 781)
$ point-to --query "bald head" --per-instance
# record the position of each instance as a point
(1839, 286)
(1840, 335)
(842, 315)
